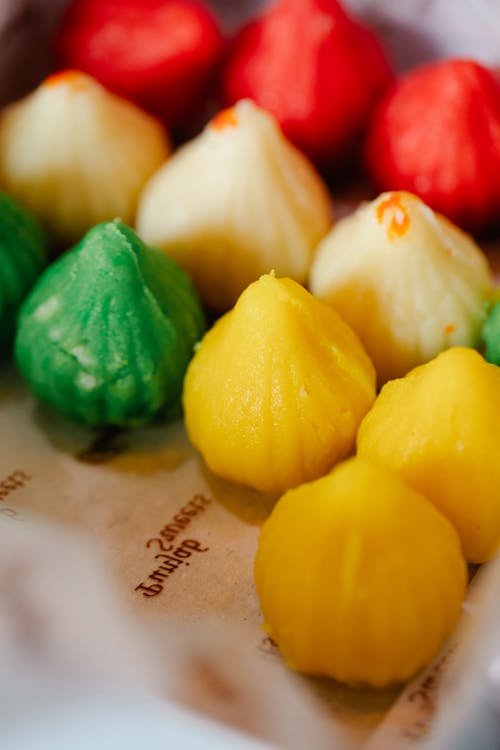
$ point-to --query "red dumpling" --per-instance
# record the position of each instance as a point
(161, 54)
(437, 134)
(316, 69)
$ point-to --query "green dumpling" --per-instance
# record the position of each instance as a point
(107, 332)
(491, 335)
(23, 254)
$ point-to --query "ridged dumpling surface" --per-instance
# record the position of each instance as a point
(438, 427)
(277, 388)
(491, 335)
(234, 203)
(359, 577)
(408, 281)
(76, 155)
(107, 332)
(23, 255)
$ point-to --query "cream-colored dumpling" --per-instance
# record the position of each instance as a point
(407, 280)
(75, 154)
(236, 202)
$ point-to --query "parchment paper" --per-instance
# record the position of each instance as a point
(180, 541)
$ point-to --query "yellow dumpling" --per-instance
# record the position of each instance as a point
(277, 388)
(407, 280)
(359, 577)
(439, 428)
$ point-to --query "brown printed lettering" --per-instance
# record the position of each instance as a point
(14, 481)
(153, 590)
(173, 557)
(159, 542)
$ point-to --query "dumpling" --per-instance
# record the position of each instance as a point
(236, 202)
(76, 155)
(407, 280)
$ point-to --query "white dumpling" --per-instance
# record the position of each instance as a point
(407, 280)
(75, 154)
(236, 202)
